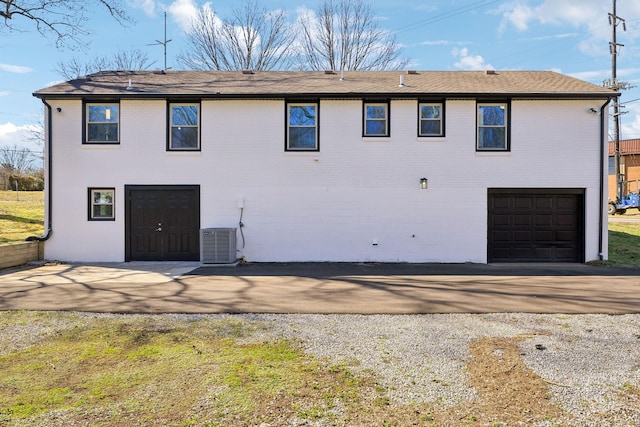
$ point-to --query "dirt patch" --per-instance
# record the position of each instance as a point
(509, 392)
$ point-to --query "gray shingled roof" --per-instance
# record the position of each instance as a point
(264, 84)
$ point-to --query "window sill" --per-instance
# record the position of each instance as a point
(101, 144)
(431, 139)
(184, 153)
(493, 153)
(376, 139)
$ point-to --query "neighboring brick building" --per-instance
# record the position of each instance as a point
(630, 162)
(418, 166)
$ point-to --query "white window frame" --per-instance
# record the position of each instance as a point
(93, 204)
(504, 125)
(170, 146)
(366, 119)
(315, 126)
(440, 119)
(107, 121)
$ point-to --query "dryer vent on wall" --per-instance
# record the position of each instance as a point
(217, 245)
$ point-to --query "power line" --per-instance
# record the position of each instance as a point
(445, 15)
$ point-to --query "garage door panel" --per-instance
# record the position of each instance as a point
(544, 236)
(502, 236)
(536, 225)
(522, 220)
(522, 202)
(502, 220)
(566, 204)
(543, 202)
(544, 220)
(522, 236)
(565, 236)
(565, 220)
(501, 202)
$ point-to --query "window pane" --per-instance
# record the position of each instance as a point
(430, 127)
(612, 165)
(184, 115)
(376, 111)
(103, 132)
(491, 115)
(430, 112)
(103, 211)
(103, 197)
(491, 138)
(103, 113)
(300, 137)
(302, 115)
(184, 137)
(376, 127)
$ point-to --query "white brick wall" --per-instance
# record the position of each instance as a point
(328, 205)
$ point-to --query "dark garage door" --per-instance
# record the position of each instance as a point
(543, 225)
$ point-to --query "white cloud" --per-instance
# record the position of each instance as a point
(630, 127)
(444, 43)
(18, 69)
(11, 134)
(183, 12)
(592, 76)
(435, 43)
(589, 15)
(469, 62)
(4, 93)
(147, 6)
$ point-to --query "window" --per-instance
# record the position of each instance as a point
(102, 123)
(302, 127)
(492, 127)
(376, 119)
(612, 165)
(101, 203)
(184, 128)
(431, 116)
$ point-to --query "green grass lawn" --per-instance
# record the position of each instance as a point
(624, 244)
(21, 215)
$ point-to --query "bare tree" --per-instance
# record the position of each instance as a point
(62, 18)
(134, 60)
(344, 35)
(16, 159)
(254, 38)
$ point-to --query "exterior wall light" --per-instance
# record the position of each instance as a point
(424, 183)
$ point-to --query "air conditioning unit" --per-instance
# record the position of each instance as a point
(217, 245)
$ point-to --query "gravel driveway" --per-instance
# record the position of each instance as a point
(590, 362)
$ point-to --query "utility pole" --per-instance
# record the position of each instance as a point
(616, 85)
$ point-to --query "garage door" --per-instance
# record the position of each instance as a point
(541, 225)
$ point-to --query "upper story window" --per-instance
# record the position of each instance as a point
(376, 119)
(431, 117)
(101, 204)
(102, 123)
(493, 132)
(302, 127)
(184, 131)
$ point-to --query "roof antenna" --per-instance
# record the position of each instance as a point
(163, 43)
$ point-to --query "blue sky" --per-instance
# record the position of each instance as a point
(568, 36)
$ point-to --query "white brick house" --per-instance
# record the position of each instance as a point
(318, 166)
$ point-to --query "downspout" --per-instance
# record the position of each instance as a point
(603, 145)
(49, 133)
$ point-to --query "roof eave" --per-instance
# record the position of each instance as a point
(326, 95)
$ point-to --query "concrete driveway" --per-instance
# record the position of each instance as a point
(178, 287)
